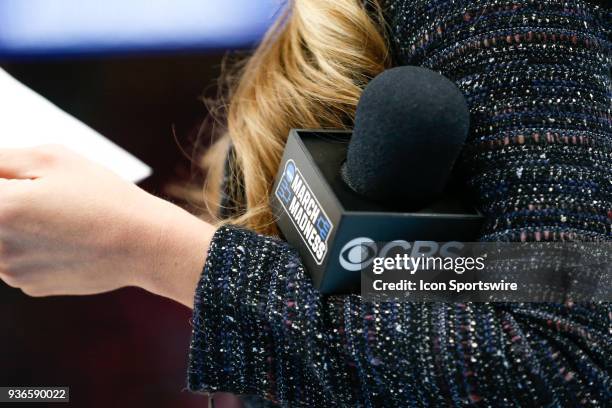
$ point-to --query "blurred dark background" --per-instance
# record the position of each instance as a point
(128, 347)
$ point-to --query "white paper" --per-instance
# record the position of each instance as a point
(27, 119)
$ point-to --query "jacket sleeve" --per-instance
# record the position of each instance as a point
(260, 328)
(536, 75)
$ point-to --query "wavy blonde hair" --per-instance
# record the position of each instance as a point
(308, 72)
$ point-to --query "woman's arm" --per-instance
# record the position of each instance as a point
(261, 328)
(70, 227)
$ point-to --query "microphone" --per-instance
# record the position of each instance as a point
(338, 194)
(410, 126)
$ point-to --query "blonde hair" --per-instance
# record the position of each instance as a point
(308, 72)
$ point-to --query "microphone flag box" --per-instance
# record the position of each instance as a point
(319, 215)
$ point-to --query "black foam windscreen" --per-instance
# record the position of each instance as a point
(410, 126)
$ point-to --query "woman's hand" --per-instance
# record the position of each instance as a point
(71, 227)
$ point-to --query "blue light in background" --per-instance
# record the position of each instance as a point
(34, 27)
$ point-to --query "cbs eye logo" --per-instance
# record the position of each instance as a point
(358, 254)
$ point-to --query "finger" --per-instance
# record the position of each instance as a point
(14, 190)
(17, 276)
(25, 163)
(35, 291)
(9, 280)
(10, 276)
(9, 184)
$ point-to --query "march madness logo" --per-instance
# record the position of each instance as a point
(304, 210)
